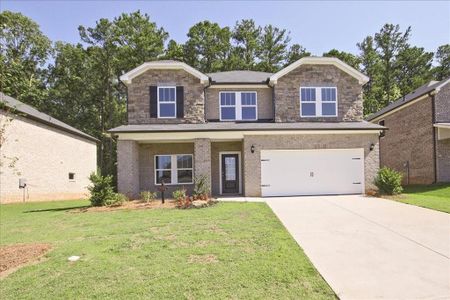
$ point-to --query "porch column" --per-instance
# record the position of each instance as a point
(202, 158)
(128, 168)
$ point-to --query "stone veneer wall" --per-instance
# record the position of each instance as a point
(252, 161)
(202, 159)
(139, 96)
(410, 138)
(263, 96)
(287, 93)
(442, 105)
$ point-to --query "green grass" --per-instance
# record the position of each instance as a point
(435, 196)
(132, 254)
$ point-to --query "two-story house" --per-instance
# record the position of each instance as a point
(418, 140)
(299, 131)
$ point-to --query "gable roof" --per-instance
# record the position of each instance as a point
(163, 65)
(236, 77)
(362, 79)
(32, 113)
(420, 91)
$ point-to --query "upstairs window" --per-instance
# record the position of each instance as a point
(318, 102)
(238, 106)
(167, 102)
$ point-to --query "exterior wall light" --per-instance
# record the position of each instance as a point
(372, 146)
(252, 149)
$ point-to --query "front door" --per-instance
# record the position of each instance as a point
(230, 173)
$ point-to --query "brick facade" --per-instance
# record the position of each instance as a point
(128, 165)
(410, 140)
(139, 96)
(287, 93)
(443, 160)
(252, 161)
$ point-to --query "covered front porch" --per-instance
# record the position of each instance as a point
(144, 164)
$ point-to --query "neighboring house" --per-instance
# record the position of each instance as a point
(418, 140)
(42, 158)
(296, 132)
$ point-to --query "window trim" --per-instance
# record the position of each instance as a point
(174, 102)
(238, 106)
(173, 170)
(319, 101)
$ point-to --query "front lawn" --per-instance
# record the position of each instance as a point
(230, 250)
(436, 196)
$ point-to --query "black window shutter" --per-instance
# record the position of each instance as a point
(180, 102)
(153, 101)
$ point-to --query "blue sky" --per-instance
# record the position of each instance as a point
(318, 26)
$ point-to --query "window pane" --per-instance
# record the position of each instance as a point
(227, 99)
(248, 98)
(163, 162)
(328, 109)
(166, 110)
(308, 109)
(228, 113)
(184, 161)
(166, 94)
(328, 94)
(248, 113)
(308, 94)
(184, 176)
(163, 175)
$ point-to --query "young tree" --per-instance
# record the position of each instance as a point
(273, 48)
(442, 70)
(246, 36)
(295, 53)
(208, 46)
(348, 58)
(23, 53)
(413, 67)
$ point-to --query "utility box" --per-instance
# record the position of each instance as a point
(22, 183)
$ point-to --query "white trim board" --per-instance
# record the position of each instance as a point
(128, 77)
(362, 79)
(220, 169)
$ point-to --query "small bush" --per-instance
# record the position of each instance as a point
(117, 200)
(148, 196)
(101, 190)
(201, 188)
(182, 199)
(389, 181)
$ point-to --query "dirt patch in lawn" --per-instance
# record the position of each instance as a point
(203, 259)
(134, 204)
(14, 257)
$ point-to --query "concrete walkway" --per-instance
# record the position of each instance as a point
(370, 248)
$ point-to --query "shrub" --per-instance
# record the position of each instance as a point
(101, 190)
(181, 198)
(117, 200)
(148, 196)
(201, 188)
(389, 181)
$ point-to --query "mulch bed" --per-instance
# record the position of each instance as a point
(13, 257)
(134, 204)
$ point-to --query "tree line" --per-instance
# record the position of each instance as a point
(79, 83)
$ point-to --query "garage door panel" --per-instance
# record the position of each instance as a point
(312, 172)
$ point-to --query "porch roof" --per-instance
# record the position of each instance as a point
(243, 126)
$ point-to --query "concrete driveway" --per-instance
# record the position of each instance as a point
(370, 248)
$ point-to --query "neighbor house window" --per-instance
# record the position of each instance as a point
(318, 102)
(167, 102)
(72, 176)
(238, 106)
(173, 169)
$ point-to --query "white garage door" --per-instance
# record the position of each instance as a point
(312, 172)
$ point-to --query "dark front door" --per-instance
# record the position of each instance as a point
(230, 173)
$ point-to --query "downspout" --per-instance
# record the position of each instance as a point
(273, 98)
(433, 112)
(204, 96)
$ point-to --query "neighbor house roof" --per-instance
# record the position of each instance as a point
(163, 65)
(236, 77)
(420, 91)
(243, 126)
(32, 113)
(311, 60)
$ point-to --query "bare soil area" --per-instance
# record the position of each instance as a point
(13, 257)
(134, 204)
